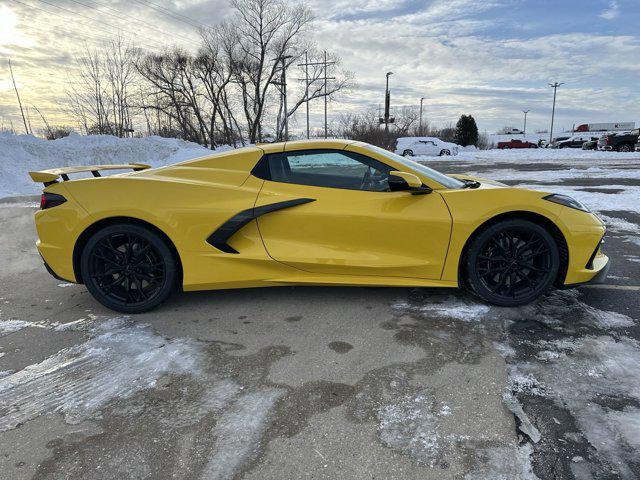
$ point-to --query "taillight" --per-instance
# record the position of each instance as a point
(48, 200)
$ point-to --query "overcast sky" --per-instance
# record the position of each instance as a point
(488, 58)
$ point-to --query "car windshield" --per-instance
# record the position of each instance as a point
(441, 178)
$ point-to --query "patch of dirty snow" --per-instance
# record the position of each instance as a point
(11, 326)
(238, 432)
(66, 284)
(408, 426)
(620, 224)
(631, 239)
(452, 307)
(5, 373)
(594, 368)
(504, 350)
(444, 411)
(504, 463)
(524, 424)
(626, 199)
(524, 383)
(63, 327)
(119, 360)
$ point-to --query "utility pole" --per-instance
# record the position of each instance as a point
(387, 103)
(524, 130)
(325, 94)
(306, 86)
(322, 75)
(420, 127)
(24, 120)
(555, 86)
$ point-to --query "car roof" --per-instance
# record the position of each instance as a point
(334, 144)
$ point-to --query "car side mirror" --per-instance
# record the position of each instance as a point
(404, 181)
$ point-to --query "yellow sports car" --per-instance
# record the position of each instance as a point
(334, 212)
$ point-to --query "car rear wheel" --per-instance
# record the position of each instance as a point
(128, 268)
(624, 148)
(512, 263)
(444, 152)
(407, 153)
(506, 147)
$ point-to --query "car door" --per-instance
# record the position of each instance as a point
(346, 220)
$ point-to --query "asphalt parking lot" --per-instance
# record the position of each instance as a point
(288, 383)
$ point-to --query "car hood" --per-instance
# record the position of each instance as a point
(485, 181)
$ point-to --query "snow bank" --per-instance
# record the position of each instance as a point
(567, 156)
(20, 154)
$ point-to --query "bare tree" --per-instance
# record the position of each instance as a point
(101, 95)
(265, 31)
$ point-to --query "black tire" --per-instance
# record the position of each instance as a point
(506, 147)
(407, 153)
(445, 152)
(128, 268)
(512, 263)
(625, 147)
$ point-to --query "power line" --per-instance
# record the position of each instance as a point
(172, 14)
(83, 35)
(131, 18)
(117, 27)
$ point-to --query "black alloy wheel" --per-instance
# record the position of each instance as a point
(128, 268)
(407, 153)
(512, 263)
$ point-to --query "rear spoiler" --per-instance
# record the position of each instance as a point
(51, 176)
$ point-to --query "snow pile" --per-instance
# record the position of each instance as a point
(20, 154)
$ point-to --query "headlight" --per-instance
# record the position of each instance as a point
(566, 201)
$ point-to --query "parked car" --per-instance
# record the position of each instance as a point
(619, 142)
(575, 141)
(410, 146)
(515, 143)
(512, 131)
(591, 144)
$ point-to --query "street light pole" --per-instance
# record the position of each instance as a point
(524, 130)
(387, 104)
(420, 127)
(553, 112)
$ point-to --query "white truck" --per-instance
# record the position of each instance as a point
(605, 127)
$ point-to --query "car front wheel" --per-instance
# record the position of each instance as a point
(444, 152)
(512, 263)
(407, 153)
(128, 268)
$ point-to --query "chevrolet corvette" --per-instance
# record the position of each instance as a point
(333, 212)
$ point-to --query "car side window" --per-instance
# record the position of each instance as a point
(329, 168)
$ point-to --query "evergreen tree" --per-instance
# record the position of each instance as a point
(466, 131)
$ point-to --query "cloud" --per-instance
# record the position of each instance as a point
(612, 12)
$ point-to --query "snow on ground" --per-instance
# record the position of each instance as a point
(20, 154)
(602, 364)
(119, 360)
(566, 156)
